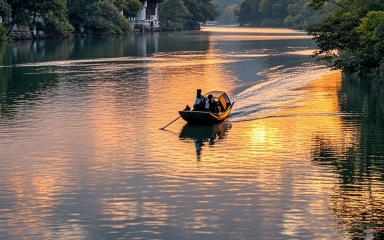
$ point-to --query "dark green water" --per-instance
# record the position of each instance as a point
(82, 157)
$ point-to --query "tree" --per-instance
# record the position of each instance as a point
(5, 9)
(56, 22)
(346, 38)
(173, 15)
(202, 11)
(132, 7)
(334, 36)
(371, 32)
(318, 5)
(368, 27)
(56, 26)
(268, 13)
(222, 5)
(249, 13)
(27, 13)
(300, 16)
(21, 14)
(98, 17)
(229, 15)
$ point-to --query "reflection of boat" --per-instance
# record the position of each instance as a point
(209, 118)
(204, 133)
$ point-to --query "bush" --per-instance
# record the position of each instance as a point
(172, 26)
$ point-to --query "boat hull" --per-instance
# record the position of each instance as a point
(204, 118)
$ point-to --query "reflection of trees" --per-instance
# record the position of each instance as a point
(357, 201)
(37, 51)
(20, 87)
(45, 60)
(179, 40)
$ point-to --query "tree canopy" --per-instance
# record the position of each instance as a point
(277, 13)
(5, 9)
(202, 11)
(63, 17)
(229, 15)
(351, 37)
(173, 15)
(99, 17)
(187, 14)
(227, 10)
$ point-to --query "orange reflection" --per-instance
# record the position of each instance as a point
(235, 29)
(254, 34)
(316, 114)
(36, 196)
(176, 82)
(273, 154)
(283, 144)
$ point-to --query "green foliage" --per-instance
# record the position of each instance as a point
(317, 5)
(26, 13)
(300, 16)
(249, 13)
(173, 15)
(223, 4)
(3, 32)
(229, 15)
(132, 8)
(350, 38)
(97, 17)
(56, 25)
(335, 35)
(368, 26)
(5, 9)
(273, 13)
(371, 32)
(201, 10)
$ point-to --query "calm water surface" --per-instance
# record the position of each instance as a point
(82, 156)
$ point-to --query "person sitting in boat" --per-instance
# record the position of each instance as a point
(200, 101)
(212, 104)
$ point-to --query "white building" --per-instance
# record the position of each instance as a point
(148, 17)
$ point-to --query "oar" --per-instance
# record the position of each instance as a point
(169, 123)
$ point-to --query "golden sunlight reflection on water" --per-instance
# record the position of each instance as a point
(267, 158)
(235, 29)
(86, 159)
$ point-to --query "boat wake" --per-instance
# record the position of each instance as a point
(280, 91)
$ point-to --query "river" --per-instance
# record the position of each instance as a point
(82, 155)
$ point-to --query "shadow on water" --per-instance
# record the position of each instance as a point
(204, 134)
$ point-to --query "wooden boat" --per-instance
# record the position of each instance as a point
(209, 118)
